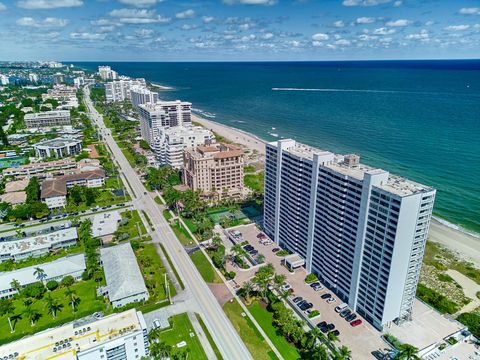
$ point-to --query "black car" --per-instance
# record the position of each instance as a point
(297, 299)
(274, 250)
(254, 252)
(306, 306)
(301, 302)
(335, 332)
(315, 284)
(351, 317)
(330, 327)
(248, 247)
(322, 324)
(345, 313)
(326, 296)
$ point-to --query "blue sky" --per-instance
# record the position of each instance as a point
(176, 30)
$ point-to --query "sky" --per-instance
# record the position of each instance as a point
(238, 30)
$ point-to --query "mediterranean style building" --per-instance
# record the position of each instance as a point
(360, 229)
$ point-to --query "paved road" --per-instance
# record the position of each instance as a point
(222, 331)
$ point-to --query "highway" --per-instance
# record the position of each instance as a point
(223, 333)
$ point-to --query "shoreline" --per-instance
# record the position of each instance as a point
(464, 244)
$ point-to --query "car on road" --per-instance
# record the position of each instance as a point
(351, 317)
(355, 323)
(345, 313)
(326, 296)
(274, 250)
(331, 300)
(297, 299)
(335, 332)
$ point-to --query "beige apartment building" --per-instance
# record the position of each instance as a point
(216, 170)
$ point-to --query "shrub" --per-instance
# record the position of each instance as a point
(313, 314)
(311, 278)
(230, 275)
(393, 341)
(35, 290)
(282, 253)
(51, 285)
(67, 281)
(445, 278)
(451, 340)
(472, 321)
(436, 300)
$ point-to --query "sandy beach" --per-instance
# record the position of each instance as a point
(463, 245)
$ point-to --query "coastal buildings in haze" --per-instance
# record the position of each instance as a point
(216, 170)
(141, 95)
(360, 229)
(119, 90)
(106, 73)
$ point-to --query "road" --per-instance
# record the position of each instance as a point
(223, 333)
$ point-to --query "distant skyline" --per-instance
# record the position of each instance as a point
(238, 30)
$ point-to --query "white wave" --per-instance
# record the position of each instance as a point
(273, 134)
(457, 227)
(336, 90)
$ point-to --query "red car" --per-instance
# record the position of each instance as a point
(356, 322)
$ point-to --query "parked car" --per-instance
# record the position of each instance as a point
(330, 327)
(341, 307)
(322, 324)
(306, 306)
(351, 317)
(326, 296)
(260, 235)
(274, 250)
(156, 324)
(297, 299)
(317, 288)
(248, 247)
(356, 322)
(345, 313)
(314, 284)
(301, 302)
(335, 332)
(331, 300)
(285, 287)
(254, 252)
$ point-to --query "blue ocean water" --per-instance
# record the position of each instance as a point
(418, 119)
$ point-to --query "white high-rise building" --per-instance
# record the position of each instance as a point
(141, 95)
(33, 77)
(106, 73)
(360, 229)
(119, 90)
(4, 80)
(117, 336)
(79, 81)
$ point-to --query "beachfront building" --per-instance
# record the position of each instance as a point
(47, 119)
(360, 229)
(78, 82)
(32, 77)
(124, 279)
(171, 142)
(58, 148)
(216, 170)
(4, 80)
(36, 246)
(120, 336)
(72, 265)
(106, 73)
(119, 90)
(142, 95)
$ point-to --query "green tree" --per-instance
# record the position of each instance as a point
(53, 306)
(51, 285)
(90, 196)
(407, 352)
(32, 314)
(76, 194)
(33, 190)
(7, 307)
(67, 281)
(73, 298)
(40, 274)
(343, 353)
(15, 284)
(472, 321)
(246, 290)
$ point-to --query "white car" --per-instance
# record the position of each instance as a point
(331, 300)
(285, 287)
(156, 324)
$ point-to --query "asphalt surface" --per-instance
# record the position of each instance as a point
(223, 333)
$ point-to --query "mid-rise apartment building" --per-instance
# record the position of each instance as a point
(141, 95)
(171, 142)
(47, 119)
(216, 170)
(119, 90)
(360, 229)
(58, 148)
(118, 336)
(106, 73)
(4, 79)
(32, 77)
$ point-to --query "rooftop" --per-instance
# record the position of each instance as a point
(216, 151)
(53, 269)
(122, 273)
(59, 142)
(18, 185)
(79, 336)
(37, 242)
(13, 198)
(105, 223)
(45, 114)
(58, 187)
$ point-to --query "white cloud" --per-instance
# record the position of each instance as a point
(398, 3)
(185, 14)
(342, 42)
(103, 22)
(429, 23)
(320, 37)
(383, 31)
(421, 36)
(135, 16)
(2, 7)
(87, 36)
(250, 2)
(106, 29)
(364, 2)
(144, 33)
(188, 27)
(49, 22)
(399, 22)
(139, 3)
(48, 4)
(470, 11)
(365, 20)
(267, 36)
(339, 24)
(457, 27)
(208, 19)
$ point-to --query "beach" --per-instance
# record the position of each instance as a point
(465, 246)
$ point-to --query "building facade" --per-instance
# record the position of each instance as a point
(47, 119)
(352, 224)
(106, 73)
(119, 90)
(58, 148)
(141, 95)
(216, 170)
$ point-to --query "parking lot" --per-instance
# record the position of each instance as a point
(362, 340)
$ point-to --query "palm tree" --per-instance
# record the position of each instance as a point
(160, 350)
(407, 352)
(7, 308)
(343, 353)
(32, 314)
(15, 284)
(40, 274)
(278, 280)
(73, 298)
(260, 259)
(314, 335)
(319, 353)
(153, 335)
(332, 337)
(53, 305)
(247, 289)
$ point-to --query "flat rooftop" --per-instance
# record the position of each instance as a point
(76, 336)
(47, 114)
(58, 142)
(105, 223)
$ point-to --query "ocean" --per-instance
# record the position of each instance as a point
(418, 119)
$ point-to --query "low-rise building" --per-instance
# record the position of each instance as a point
(118, 336)
(58, 148)
(47, 119)
(216, 170)
(16, 185)
(14, 198)
(125, 282)
(36, 246)
(105, 223)
(72, 265)
(4, 80)
(36, 169)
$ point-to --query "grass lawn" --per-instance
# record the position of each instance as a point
(157, 200)
(181, 233)
(249, 169)
(191, 226)
(209, 337)
(205, 268)
(180, 330)
(148, 219)
(172, 267)
(255, 182)
(252, 338)
(131, 227)
(88, 304)
(264, 318)
(113, 183)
